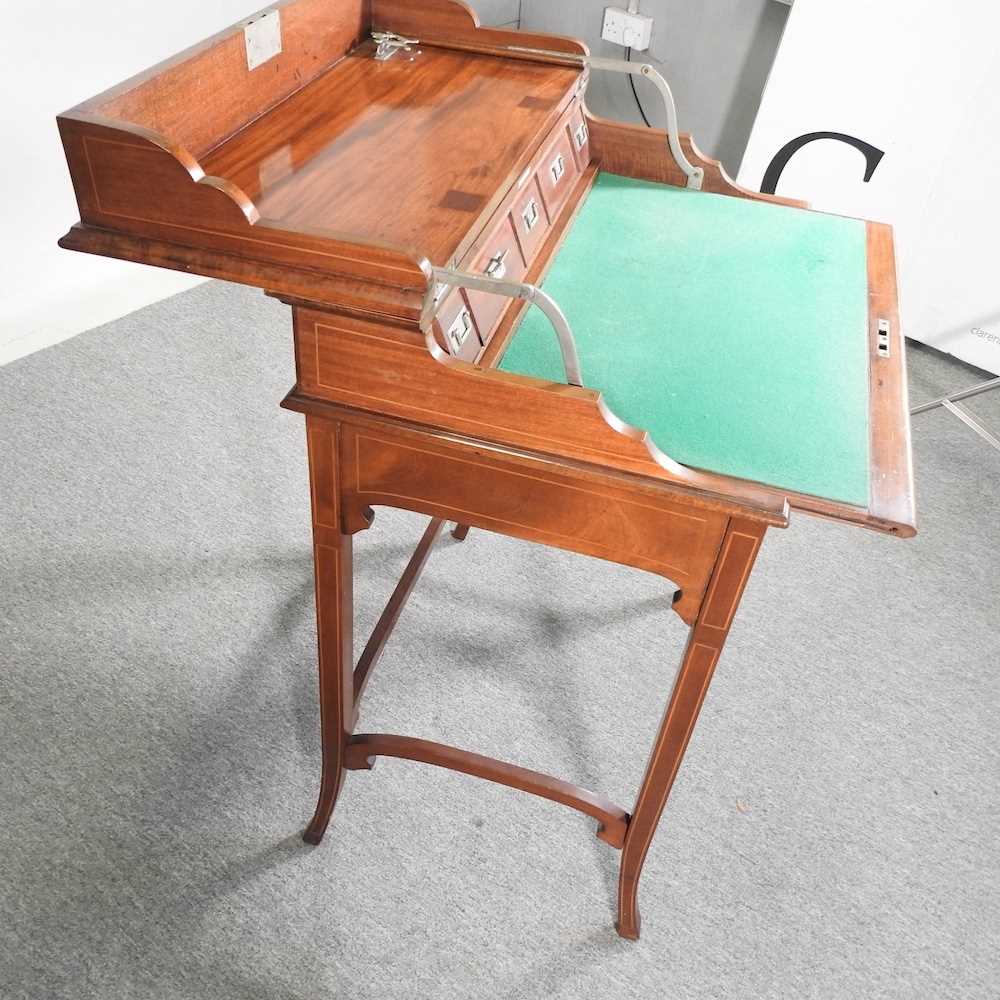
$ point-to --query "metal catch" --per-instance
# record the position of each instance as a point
(389, 43)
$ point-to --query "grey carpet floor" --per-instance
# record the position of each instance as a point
(833, 832)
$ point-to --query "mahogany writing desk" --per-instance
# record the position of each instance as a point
(406, 180)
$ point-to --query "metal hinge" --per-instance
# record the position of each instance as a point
(389, 43)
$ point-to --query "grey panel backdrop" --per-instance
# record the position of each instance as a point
(716, 54)
(496, 12)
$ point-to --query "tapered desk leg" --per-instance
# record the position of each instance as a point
(708, 636)
(335, 621)
(460, 532)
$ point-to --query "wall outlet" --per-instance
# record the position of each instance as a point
(633, 31)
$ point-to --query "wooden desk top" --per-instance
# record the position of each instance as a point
(336, 181)
(407, 152)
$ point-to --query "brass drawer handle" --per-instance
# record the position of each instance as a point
(558, 168)
(497, 267)
(581, 135)
(458, 332)
(531, 215)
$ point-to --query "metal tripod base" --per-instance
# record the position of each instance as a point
(954, 406)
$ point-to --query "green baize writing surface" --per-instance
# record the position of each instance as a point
(735, 332)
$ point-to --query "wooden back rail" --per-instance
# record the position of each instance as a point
(169, 98)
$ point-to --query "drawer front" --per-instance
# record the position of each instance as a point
(457, 328)
(501, 259)
(528, 499)
(530, 220)
(557, 172)
(579, 137)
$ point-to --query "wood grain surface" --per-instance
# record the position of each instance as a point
(414, 152)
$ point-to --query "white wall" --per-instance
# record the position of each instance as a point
(52, 56)
(918, 80)
(715, 53)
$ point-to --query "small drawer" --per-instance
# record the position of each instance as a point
(579, 137)
(557, 172)
(457, 328)
(530, 220)
(501, 259)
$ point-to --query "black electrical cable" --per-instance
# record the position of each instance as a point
(638, 103)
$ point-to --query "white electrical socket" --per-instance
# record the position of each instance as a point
(633, 31)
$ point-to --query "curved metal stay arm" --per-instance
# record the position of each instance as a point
(695, 175)
(529, 293)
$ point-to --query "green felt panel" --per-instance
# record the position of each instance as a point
(735, 332)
